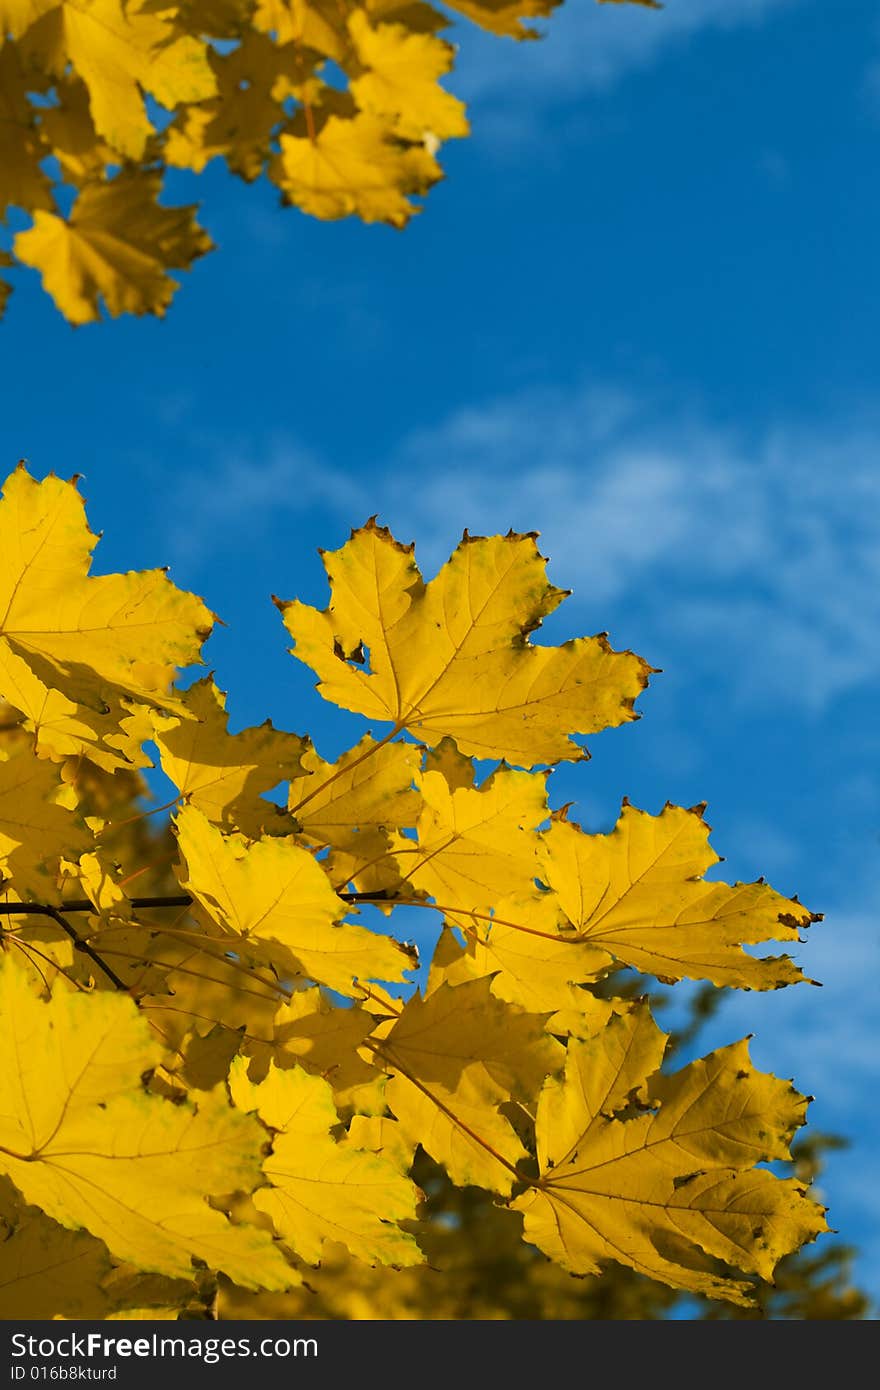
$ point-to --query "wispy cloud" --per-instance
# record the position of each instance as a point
(588, 47)
(768, 548)
(760, 555)
(250, 486)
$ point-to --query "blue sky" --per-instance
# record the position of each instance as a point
(639, 316)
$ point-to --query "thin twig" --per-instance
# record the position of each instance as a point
(81, 945)
(17, 909)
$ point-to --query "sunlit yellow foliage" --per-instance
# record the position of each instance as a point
(222, 1071)
(452, 657)
(340, 103)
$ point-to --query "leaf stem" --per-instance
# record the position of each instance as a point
(81, 944)
(389, 1059)
(340, 771)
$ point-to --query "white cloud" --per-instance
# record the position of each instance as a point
(250, 488)
(760, 556)
(588, 47)
(764, 555)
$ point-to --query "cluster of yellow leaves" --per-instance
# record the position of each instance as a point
(340, 103)
(230, 1076)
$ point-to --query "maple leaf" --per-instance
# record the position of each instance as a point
(253, 81)
(117, 246)
(36, 831)
(530, 959)
(639, 894)
(224, 775)
(22, 181)
(401, 80)
(91, 638)
(323, 1190)
(272, 894)
(144, 85)
(44, 1268)
(112, 736)
(351, 805)
(185, 982)
(354, 166)
(452, 657)
(505, 18)
(80, 1138)
(668, 1187)
(70, 131)
(475, 844)
(311, 1032)
(315, 25)
(119, 51)
(455, 1058)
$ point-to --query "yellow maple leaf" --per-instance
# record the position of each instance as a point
(224, 775)
(117, 246)
(120, 51)
(91, 638)
(639, 894)
(82, 1139)
(22, 181)
(323, 1039)
(239, 123)
(382, 1135)
(185, 982)
(112, 737)
(401, 80)
(273, 895)
(323, 1190)
(36, 832)
(318, 26)
(354, 166)
(352, 805)
(370, 787)
(452, 657)
(667, 1188)
(69, 129)
(46, 1269)
(504, 17)
(16, 16)
(531, 960)
(455, 1058)
(475, 844)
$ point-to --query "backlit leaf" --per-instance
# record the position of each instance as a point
(92, 638)
(455, 1058)
(273, 894)
(117, 247)
(322, 1190)
(46, 1269)
(354, 166)
(80, 1138)
(452, 657)
(639, 894)
(475, 845)
(401, 79)
(36, 832)
(224, 775)
(666, 1188)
